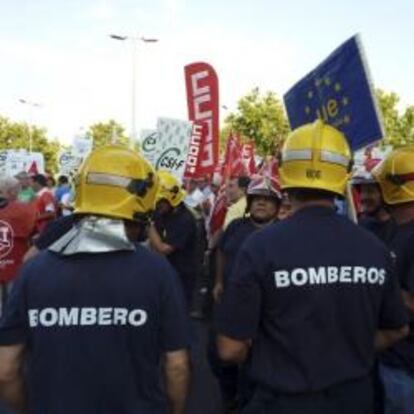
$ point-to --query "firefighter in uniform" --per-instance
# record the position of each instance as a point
(263, 201)
(95, 319)
(313, 295)
(174, 232)
(396, 178)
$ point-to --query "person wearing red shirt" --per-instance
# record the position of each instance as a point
(45, 202)
(17, 223)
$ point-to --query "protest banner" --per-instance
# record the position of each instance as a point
(339, 91)
(172, 145)
(149, 145)
(14, 161)
(203, 109)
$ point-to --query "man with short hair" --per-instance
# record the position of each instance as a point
(63, 187)
(26, 193)
(236, 196)
(374, 212)
(311, 295)
(96, 324)
(174, 232)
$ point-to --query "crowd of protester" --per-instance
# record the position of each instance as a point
(36, 214)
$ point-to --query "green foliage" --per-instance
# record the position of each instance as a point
(399, 126)
(15, 135)
(260, 118)
(104, 133)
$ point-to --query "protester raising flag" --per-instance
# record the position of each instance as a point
(232, 167)
(233, 161)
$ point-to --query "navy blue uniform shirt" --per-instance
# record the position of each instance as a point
(311, 291)
(179, 230)
(95, 327)
(401, 355)
(232, 239)
(54, 230)
(384, 230)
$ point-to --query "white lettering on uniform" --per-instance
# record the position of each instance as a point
(120, 316)
(345, 274)
(332, 274)
(299, 277)
(373, 275)
(382, 273)
(282, 278)
(33, 317)
(104, 316)
(137, 317)
(88, 316)
(68, 317)
(360, 274)
(329, 275)
(48, 317)
(317, 276)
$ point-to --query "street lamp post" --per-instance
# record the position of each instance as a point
(134, 40)
(30, 104)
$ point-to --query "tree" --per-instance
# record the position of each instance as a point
(260, 118)
(104, 133)
(399, 126)
(16, 135)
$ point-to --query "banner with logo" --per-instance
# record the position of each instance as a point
(172, 145)
(68, 162)
(339, 91)
(149, 145)
(195, 149)
(14, 161)
(203, 109)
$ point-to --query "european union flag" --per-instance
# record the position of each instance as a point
(339, 92)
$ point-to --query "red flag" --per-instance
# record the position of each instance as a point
(203, 109)
(233, 162)
(218, 214)
(33, 170)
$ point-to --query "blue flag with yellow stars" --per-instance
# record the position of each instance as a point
(339, 92)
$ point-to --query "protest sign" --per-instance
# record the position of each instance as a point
(149, 145)
(172, 145)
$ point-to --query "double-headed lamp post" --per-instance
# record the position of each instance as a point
(31, 105)
(134, 41)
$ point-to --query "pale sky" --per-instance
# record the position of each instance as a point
(58, 53)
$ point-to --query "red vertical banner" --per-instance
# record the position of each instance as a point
(203, 109)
